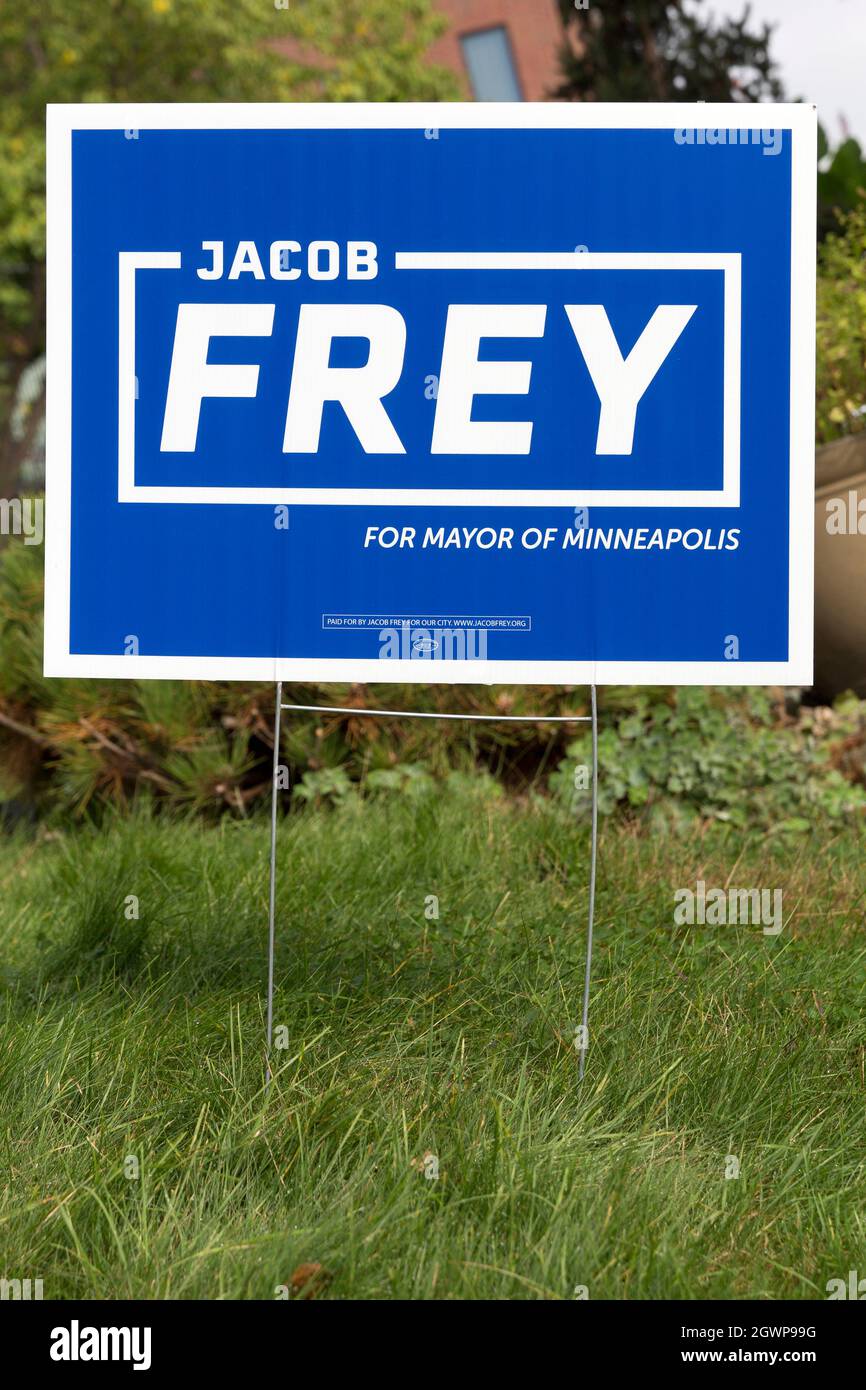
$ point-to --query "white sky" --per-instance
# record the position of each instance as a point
(820, 49)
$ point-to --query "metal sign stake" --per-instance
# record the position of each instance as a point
(273, 883)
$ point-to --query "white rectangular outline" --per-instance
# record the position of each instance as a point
(128, 262)
(727, 496)
(800, 120)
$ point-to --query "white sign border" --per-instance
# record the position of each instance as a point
(800, 120)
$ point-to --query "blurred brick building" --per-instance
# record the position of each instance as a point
(502, 50)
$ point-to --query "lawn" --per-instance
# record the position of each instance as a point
(425, 1134)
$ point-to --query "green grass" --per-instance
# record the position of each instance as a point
(409, 1036)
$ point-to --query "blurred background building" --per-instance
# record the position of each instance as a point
(502, 50)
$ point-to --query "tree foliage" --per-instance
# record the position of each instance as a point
(841, 180)
(170, 51)
(841, 324)
(662, 50)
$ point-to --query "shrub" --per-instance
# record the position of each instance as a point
(841, 403)
(732, 756)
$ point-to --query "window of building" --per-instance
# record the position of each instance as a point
(490, 64)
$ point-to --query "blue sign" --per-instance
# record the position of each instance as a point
(517, 393)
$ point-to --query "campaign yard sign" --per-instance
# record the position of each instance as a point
(516, 393)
